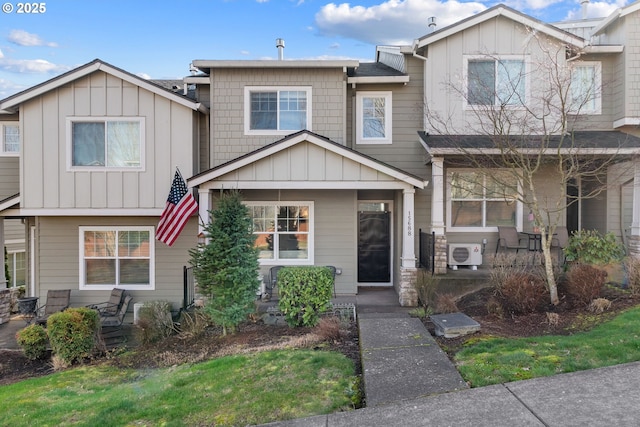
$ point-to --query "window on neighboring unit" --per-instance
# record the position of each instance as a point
(585, 96)
(496, 82)
(373, 125)
(284, 232)
(114, 143)
(116, 256)
(10, 134)
(17, 268)
(478, 200)
(270, 110)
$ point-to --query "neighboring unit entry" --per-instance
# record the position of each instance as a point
(465, 254)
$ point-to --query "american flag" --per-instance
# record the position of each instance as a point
(180, 206)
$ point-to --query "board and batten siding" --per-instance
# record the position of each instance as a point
(57, 248)
(46, 182)
(335, 228)
(228, 140)
(9, 176)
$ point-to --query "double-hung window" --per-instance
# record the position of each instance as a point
(496, 82)
(373, 125)
(10, 135)
(479, 200)
(283, 231)
(116, 256)
(108, 143)
(585, 95)
(276, 110)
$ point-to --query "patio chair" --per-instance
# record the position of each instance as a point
(111, 307)
(333, 272)
(508, 238)
(57, 301)
(560, 240)
(111, 326)
(271, 282)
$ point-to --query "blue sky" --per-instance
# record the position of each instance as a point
(158, 39)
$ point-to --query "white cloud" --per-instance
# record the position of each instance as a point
(395, 21)
(598, 9)
(143, 76)
(23, 38)
(31, 66)
(8, 88)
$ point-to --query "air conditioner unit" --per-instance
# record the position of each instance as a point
(465, 254)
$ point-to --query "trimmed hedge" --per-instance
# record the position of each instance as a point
(72, 333)
(33, 341)
(304, 293)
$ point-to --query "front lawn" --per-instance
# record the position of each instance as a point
(234, 390)
(492, 360)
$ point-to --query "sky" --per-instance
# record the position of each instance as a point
(159, 39)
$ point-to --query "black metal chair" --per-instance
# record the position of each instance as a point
(508, 238)
(271, 282)
(57, 301)
(111, 307)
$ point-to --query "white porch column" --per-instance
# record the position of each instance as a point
(437, 195)
(204, 205)
(408, 235)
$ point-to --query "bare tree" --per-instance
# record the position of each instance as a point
(518, 123)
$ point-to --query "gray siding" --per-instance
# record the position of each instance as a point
(46, 182)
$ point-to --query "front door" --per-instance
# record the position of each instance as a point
(374, 246)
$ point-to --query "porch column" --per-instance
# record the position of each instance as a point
(3, 278)
(408, 239)
(437, 215)
(204, 205)
(634, 237)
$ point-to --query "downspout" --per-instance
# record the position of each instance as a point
(424, 79)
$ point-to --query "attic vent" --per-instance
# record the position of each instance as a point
(432, 23)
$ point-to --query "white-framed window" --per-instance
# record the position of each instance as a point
(17, 268)
(496, 81)
(284, 232)
(121, 257)
(10, 138)
(270, 110)
(480, 201)
(373, 122)
(585, 96)
(105, 143)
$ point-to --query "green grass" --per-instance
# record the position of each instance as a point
(499, 360)
(233, 390)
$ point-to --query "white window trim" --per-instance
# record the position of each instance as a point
(598, 86)
(519, 208)
(152, 267)
(69, 143)
(9, 153)
(310, 233)
(247, 108)
(11, 255)
(388, 110)
(527, 81)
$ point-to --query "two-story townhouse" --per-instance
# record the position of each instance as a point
(98, 150)
(499, 60)
(319, 150)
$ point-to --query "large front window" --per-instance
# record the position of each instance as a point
(283, 232)
(121, 256)
(271, 110)
(495, 82)
(479, 200)
(373, 124)
(106, 143)
(10, 138)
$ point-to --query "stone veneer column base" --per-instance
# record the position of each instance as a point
(407, 294)
(634, 246)
(5, 305)
(440, 258)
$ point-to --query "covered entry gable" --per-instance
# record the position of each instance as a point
(305, 160)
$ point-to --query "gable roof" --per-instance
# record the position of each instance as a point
(614, 16)
(11, 104)
(299, 138)
(493, 12)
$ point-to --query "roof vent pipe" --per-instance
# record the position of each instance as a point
(280, 46)
(432, 23)
(585, 5)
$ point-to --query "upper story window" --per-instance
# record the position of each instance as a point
(480, 201)
(114, 143)
(10, 134)
(585, 96)
(276, 110)
(117, 256)
(373, 125)
(496, 82)
(284, 231)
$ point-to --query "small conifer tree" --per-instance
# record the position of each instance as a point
(226, 267)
